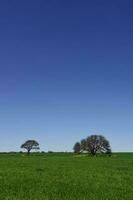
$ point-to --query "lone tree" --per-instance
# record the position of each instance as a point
(97, 144)
(30, 145)
(77, 147)
(93, 144)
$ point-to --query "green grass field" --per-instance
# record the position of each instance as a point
(66, 177)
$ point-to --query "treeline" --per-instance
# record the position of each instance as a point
(94, 144)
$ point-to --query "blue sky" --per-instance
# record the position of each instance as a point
(66, 71)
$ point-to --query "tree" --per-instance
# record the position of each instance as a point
(93, 144)
(30, 145)
(77, 147)
(83, 145)
(97, 144)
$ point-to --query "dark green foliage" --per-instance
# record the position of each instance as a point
(77, 147)
(50, 152)
(97, 144)
(83, 145)
(30, 145)
(94, 144)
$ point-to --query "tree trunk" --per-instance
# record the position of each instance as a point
(28, 152)
(93, 152)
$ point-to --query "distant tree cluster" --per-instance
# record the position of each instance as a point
(93, 144)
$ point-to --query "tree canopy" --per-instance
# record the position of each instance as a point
(77, 147)
(94, 144)
(30, 145)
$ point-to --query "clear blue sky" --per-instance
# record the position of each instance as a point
(66, 71)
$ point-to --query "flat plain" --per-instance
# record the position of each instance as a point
(64, 176)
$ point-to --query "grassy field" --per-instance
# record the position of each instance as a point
(66, 177)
